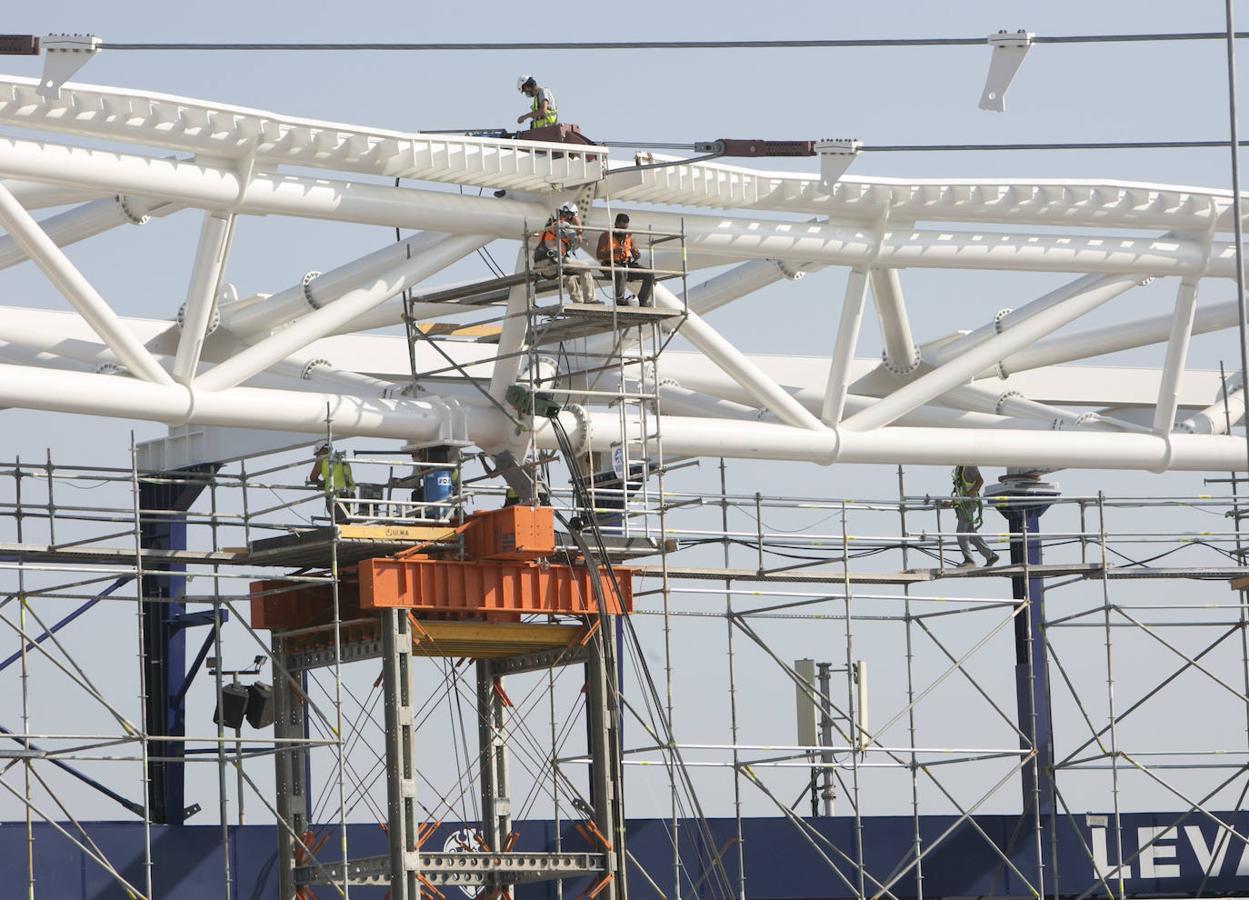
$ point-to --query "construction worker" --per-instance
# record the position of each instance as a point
(553, 255)
(544, 112)
(969, 512)
(332, 473)
(618, 252)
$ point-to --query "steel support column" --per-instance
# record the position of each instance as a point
(606, 768)
(291, 771)
(163, 503)
(1028, 500)
(496, 804)
(400, 754)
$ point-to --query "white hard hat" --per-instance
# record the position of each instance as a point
(524, 80)
(568, 208)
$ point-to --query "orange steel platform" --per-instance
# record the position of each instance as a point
(490, 591)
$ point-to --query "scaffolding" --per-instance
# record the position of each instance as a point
(1084, 743)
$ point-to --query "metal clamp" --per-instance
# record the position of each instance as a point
(579, 437)
(1002, 400)
(214, 318)
(452, 424)
(790, 273)
(63, 55)
(136, 218)
(1009, 49)
(312, 365)
(916, 358)
(836, 155)
(306, 286)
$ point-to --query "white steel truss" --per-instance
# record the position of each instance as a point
(994, 394)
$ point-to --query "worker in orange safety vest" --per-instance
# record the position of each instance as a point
(622, 260)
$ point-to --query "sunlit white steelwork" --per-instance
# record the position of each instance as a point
(267, 352)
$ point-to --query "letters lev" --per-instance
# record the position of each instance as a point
(1162, 852)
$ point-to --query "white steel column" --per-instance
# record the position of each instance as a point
(260, 356)
(512, 338)
(210, 258)
(901, 354)
(962, 368)
(843, 351)
(50, 259)
(737, 366)
(1177, 355)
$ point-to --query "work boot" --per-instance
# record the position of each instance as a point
(967, 564)
(991, 559)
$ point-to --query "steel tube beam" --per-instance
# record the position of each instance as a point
(87, 221)
(39, 195)
(24, 230)
(258, 357)
(211, 187)
(1219, 415)
(316, 291)
(210, 258)
(1177, 355)
(901, 354)
(961, 369)
(843, 351)
(960, 345)
(512, 338)
(1113, 338)
(737, 366)
(409, 419)
(739, 281)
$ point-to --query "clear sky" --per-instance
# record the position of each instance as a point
(881, 96)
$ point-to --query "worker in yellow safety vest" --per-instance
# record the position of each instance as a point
(543, 111)
(619, 254)
(332, 473)
(969, 513)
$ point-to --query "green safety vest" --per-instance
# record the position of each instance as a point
(970, 508)
(552, 114)
(336, 476)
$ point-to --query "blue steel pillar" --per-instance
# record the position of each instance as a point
(1028, 500)
(163, 502)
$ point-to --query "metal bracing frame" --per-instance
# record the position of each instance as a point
(757, 765)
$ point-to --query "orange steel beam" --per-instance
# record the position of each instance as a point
(485, 588)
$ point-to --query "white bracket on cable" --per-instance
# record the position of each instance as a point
(836, 155)
(1009, 49)
(63, 55)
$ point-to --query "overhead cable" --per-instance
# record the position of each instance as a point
(814, 43)
(951, 148)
